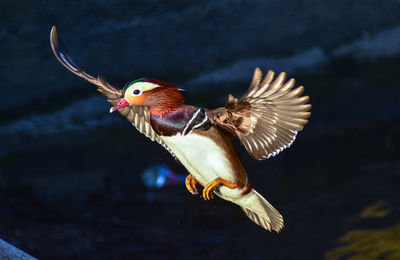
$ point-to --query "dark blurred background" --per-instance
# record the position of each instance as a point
(70, 185)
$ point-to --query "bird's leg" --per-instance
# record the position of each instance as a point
(190, 183)
(209, 188)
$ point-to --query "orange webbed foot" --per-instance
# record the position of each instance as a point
(208, 191)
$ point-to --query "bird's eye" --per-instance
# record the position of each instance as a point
(136, 92)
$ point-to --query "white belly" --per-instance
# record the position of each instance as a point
(206, 161)
(201, 156)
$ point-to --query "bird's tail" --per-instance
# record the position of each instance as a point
(260, 211)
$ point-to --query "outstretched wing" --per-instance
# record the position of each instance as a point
(138, 115)
(267, 117)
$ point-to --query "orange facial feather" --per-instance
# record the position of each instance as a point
(137, 100)
(164, 100)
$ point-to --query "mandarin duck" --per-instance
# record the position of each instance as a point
(265, 119)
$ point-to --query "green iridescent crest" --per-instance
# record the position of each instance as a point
(127, 85)
(137, 80)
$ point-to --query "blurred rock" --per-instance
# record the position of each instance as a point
(9, 252)
(76, 117)
(70, 182)
(307, 62)
(384, 44)
(174, 41)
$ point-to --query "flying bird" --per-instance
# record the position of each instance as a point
(266, 120)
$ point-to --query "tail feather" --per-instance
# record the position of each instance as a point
(260, 211)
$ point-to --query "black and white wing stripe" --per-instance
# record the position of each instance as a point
(198, 120)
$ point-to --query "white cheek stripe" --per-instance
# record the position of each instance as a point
(144, 86)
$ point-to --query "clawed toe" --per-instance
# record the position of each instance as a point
(190, 183)
(208, 192)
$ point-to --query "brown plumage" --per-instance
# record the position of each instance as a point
(164, 100)
(267, 117)
(266, 120)
(139, 116)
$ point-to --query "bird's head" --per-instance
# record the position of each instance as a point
(161, 97)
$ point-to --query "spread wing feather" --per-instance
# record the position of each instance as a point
(267, 117)
(139, 116)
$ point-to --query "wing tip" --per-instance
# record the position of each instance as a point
(54, 43)
(53, 31)
(270, 72)
(282, 75)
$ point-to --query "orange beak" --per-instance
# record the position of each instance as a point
(122, 102)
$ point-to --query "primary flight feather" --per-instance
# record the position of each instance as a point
(266, 119)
